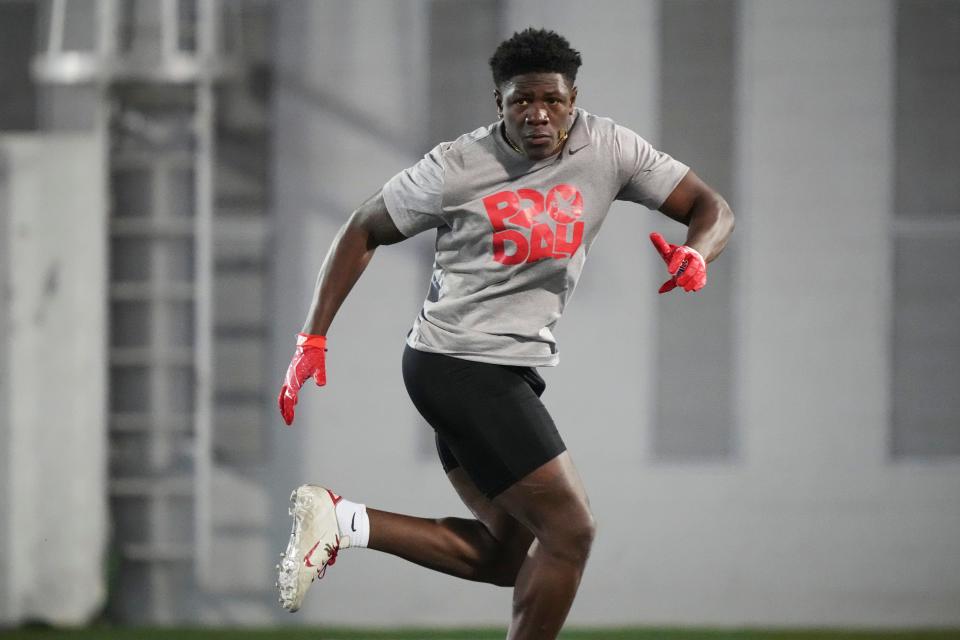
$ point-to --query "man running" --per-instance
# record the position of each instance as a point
(516, 206)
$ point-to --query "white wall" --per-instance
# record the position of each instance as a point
(53, 421)
(813, 524)
(839, 532)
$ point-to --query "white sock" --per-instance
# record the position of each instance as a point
(353, 522)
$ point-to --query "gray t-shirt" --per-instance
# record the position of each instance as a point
(512, 234)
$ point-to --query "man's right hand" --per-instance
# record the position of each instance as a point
(308, 360)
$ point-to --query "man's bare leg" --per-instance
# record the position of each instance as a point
(488, 549)
(549, 503)
(552, 504)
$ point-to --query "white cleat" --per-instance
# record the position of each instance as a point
(314, 543)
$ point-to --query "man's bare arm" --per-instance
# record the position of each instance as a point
(704, 211)
(369, 227)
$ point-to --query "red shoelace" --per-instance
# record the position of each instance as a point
(331, 560)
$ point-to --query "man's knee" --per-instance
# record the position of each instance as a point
(503, 561)
(582, 538)
(572, 539)
(571, 542)
(513, 552)
(499, 561)
(489, 559)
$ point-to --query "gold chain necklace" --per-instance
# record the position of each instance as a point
(503, 131)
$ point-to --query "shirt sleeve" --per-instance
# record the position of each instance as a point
(414, 196)
(647, 176)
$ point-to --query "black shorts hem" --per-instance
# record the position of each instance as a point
(449, 462)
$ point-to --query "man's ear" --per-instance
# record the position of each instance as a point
(499, 99)
(573, 96)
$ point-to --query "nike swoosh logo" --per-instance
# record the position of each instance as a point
(353, 522)
(306, 558)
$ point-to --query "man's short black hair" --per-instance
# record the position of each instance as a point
(532, 51)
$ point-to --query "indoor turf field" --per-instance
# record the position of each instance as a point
(107, 633)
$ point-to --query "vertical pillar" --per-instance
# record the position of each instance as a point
(926, 303)
(53, 385)
(815, 203)
(696, 372)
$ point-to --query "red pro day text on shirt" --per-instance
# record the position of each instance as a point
(541, 225)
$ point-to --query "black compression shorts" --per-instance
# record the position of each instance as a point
(488, 418)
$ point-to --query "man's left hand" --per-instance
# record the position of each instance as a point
(685, 264)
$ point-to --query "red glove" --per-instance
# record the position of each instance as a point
(308, 360)
(688, 267)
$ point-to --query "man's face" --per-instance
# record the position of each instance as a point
(535, 108)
